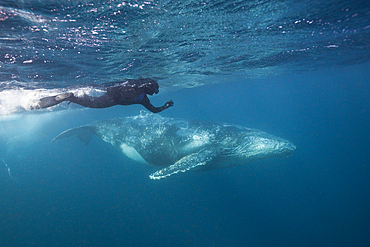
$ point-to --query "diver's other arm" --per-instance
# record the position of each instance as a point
(146, 103)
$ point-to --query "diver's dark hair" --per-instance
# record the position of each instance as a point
(150, 85)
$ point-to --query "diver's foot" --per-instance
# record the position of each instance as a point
(63, 96)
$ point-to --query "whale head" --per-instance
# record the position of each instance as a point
(260, 145)
(265, 145)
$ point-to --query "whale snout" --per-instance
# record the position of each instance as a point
(290, 147)
(283, 147)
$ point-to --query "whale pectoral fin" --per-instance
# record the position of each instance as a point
(185, 164)
(83, 133)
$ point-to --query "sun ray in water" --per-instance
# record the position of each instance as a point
(7, 167)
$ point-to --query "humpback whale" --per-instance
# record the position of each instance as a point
(178, 145)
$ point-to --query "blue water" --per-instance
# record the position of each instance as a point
(296, 69)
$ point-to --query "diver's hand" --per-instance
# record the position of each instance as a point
(168, 104)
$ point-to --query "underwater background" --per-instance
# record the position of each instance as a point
(296, 69)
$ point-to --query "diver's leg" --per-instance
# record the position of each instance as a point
(51, 101)
(93, 102)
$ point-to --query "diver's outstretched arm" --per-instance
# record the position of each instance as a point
(146, 103)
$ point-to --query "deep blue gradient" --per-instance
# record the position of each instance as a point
(68, 194)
